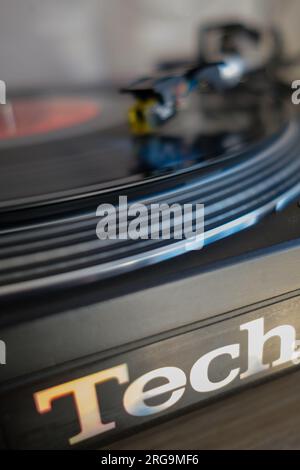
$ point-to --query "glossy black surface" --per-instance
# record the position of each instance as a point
(102, 154)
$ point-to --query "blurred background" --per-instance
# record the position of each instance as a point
(83, 42)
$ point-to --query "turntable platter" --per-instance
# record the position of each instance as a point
(241, 162)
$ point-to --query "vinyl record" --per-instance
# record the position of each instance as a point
(55, 147)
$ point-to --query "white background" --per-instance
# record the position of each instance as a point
(62, 42)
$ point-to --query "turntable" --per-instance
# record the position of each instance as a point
(96, 321)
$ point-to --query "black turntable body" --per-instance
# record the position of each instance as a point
(176, 312)
(102, 337)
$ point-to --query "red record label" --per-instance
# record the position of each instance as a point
(30, 117)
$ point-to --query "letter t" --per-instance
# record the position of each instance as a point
(84, 393)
